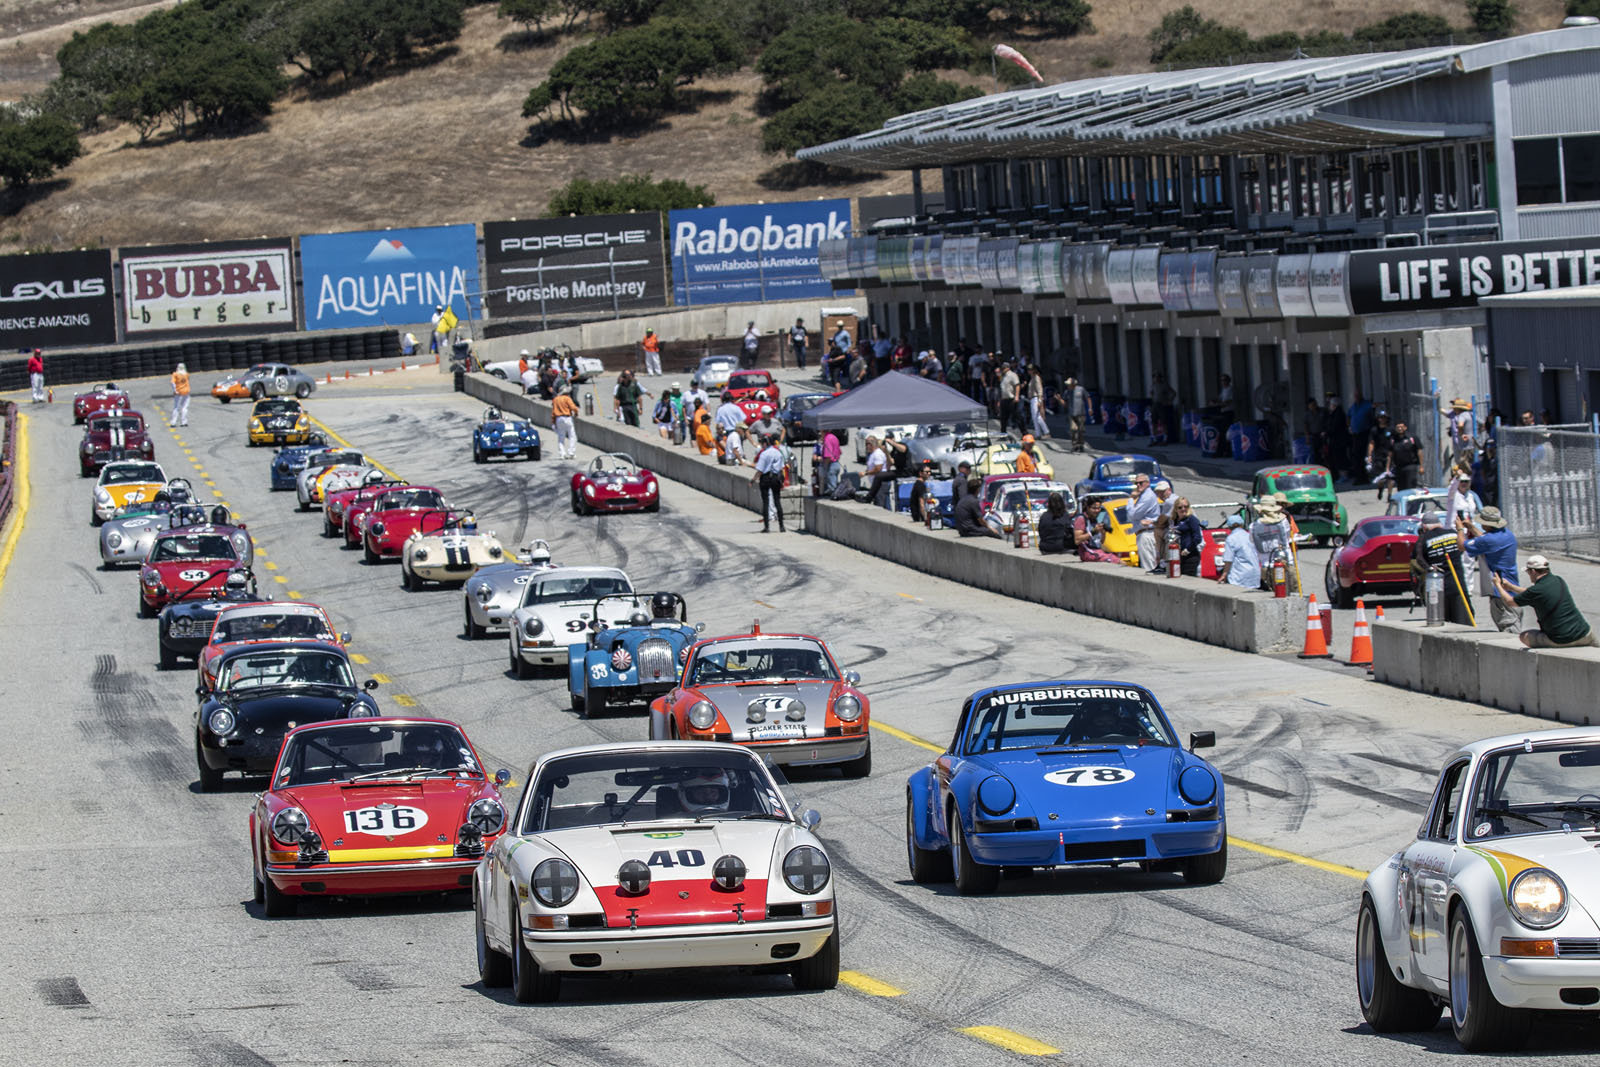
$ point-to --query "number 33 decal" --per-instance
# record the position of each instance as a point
(1090, 776)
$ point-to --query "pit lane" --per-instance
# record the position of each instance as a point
(131, 940)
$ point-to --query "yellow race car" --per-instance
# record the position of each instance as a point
(279, 421)
(1001, 458)
(1119, 537)
(122, 482)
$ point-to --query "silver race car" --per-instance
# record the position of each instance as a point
(946, 444)
(494, 592)
(712, 373)
(312, 485)
(127, 536)
(555, 610)
(264, 379)
(901, 433)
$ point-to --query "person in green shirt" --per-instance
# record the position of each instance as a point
(1561, 624)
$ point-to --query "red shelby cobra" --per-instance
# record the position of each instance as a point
(614, 482)
(360, 807)
(745, 384)
(361, 508)
(395, 516)
(190, 563)
(1376, 559)
(105, 397)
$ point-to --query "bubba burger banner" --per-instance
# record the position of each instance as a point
(238, 285)
(753, 252)
(588, 264)
(56, 299)
(1456, 276)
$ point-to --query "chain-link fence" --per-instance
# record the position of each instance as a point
(1550, 487)
(1420, 413)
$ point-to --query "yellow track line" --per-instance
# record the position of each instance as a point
(342, 443)
(20, 493)
(405, 701)
(356, 657)
(1010, 1040)
(865, 983)
(912, 739)
(381, 679)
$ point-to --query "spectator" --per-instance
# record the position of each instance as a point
(1225, 397)
(828, 456)
(1055, 529)
(1380, 455)
(1077, 411)
(898, 454)
(767, 426)
(1163, 409)
(882, 353)
(1239, 565)
(969, 512)
(1457, 446)
(652, 353)
(729, 416)
(626, 397)
(1088, 535)
(1164, 501)
(959, 486)
(696, 396)
(797, 342)
(1458, 498)
(1526, 418)
(530, 380)
(1405, 458)
(858, 371)
(662, 417)
(1561, 624)
(900, 357)
(434, 331)
(769, 476)
(841, 336)
(923, 504)
(1142, 516)
(956, 372)
(1336, 428)
(751, 346)
(1486, 475)
(522, 363)
(1360, 427)
(1041, 428)
(564, 417)
(1010, 386)
(733, 447)
(1271, 536)
(704, 439)
(877, 465)
(1191, 535)
(1488, 541)
(1027, 458)
(180, 396)
(1315, 437)
(408, 344)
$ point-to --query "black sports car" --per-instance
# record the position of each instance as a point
(263, 692)
(185, 625)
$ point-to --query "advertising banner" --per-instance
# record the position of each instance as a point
(1007, 271)
(989, 263)
(572, 267)
(746, 253)
(1096, 271)
(1230, 285)
(234, 285)
(1147, 275)
(1119, 276)
(894, 259)
(833, 258)
(961, 253)
(1027, 267)
(1454, 276)
(1202, 280)
(1261, 285)
(1328, 296)
(55, 299)
(1047, 265)
(863, 258)
(383, 277)
(1294, 286)
(1175, 281)
(933, 249)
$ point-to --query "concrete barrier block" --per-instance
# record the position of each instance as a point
(1508, 675)
(1448, 663)
(1397, 652)
(1567, 684)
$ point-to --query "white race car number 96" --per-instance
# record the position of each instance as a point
(1090, 776)
(385, 821)
(194, 574)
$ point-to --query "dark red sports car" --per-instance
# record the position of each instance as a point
(614, 482)
(113, 435)
(1375, 560)
(105, 397)
(745, 384)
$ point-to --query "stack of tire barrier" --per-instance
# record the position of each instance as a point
(8, 453)
(144, 361)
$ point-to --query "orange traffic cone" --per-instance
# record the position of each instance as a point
(1360, 639)
(330, 379)
(402, 364)
(347, 374)
(1316, 643)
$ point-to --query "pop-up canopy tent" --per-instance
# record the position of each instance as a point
(895, 399)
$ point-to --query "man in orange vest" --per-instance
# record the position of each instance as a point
(652, 353)
(180, 396)
(564, 417)
(1025, 458)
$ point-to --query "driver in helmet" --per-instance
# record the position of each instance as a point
(236, 585)
(424, 748)
(1105, 722)
(707, 793)
(664, 606)
(492, 415)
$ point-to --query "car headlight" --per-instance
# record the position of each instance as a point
(588, 490)
(683, 655)
(996, 795)
(650, 487)
(555, 883)
(483, 593)
(113, 540)
(290, 826)
(302, 422)
(419, 552)
(533, 627)
(621, 659)
(847, 709)
(1538, 898)
(102, 496)
(487, 815)
(255, 424)
(87, 447)
(495, 552)
(702, 716)
(806, 869)
(221, 722)
(377, 529)
(1197, 785)
(362, 710)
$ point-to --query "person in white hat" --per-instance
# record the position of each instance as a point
(1561, 624)
(180, 396)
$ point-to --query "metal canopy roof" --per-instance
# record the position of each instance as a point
(1295, 105)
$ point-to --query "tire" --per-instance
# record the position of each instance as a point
(169, 658)
(1338, 596)
(593, 706)
(529, 984)
(820, 971)
(470, 629)
(302, 390)
(276, 904)
(1481, 1023)
(257, 391)
(407, 582)
(861, 766)
(928, 866)
(494, 966)
(654, 505)
(302, 505)
(371, 557)
(226, 399)
(95, 520)
(477, 455)
(145, 611)
(578, 703)
(577, 509)
(1389, 1006)
(499, 374)
(210, 780)
(1208, 869)
(972, 877)
(258, 891)
(519, 666)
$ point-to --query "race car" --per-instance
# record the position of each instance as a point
(369, 807)
(946, 445)
(260, 622)
(494, 591)
(614, 482)
(124, 482)
(189, 563)
(262, 693)
(1115, 474)
(579, 368)
(1313, 501)
(446, 546)
(1001, 458)
(339, 501)
(105, 397)
(127, 536)
(1494, 909)
(745, 384)
(756, 407)
(712, 373)
(359, 509)
(1026, 489)
(1427, 503)
(182, 627)
(1065, 773)
(634, 663)
(392, 517)
(496, 435)
(279, 421)
(290, 460)
(111, 436)
(782, 695)
(1376, 560)
(554, 612)
(632, 857)
(264, 379)
(315, 485)
(795, 405)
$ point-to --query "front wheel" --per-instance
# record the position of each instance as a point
(822, 970)
(577, 509)
(530, 984)
(927, 865)
(210, 779)
(593, 705)
(861, 766)
(302, 390)
(407, 582)
(519, 666)
(257, 392)
(328, 528)
(368, 554)
(1481, 1023)
(275, 903)
(1389, 1006)
(533, 454)
(493, 966)
(477, 455)
(972, 878)
(169, 658)
(470, 628)
(145, 610)
(499, 374)
(1208, 869)
(1338, 595)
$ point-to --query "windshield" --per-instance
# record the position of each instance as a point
(1286, 482)
(613, 465)
(125, 423)
(945, 429)
(293, 667)
(1037, 496)
(270, 626)
(1383, 528)
(625, 787)
(410, 498)
(718, 363)
(1422, 503)
(808, 401)
(1064, 717)
(1553, 787)
(339, 753)
(750, 380)
(193, 546)
(1127, 468)
(279, 406)
(129, 473)
(555, 590)
(140, 508)
(336, 459)
(761, 660)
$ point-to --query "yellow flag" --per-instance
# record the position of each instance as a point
(447, 322)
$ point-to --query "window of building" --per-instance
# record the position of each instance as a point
(1477, 162)
(1372, 199)
(1580, 168)
(1538, 170)
(1410, 197)
(1443, 192)
(1341, 187)
(1307, 187)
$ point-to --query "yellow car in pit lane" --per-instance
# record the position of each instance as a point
(1119, 536)
(1001, 458)
(279, 421)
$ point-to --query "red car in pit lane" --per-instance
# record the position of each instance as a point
(113, 435)
(190, 563)
(614, 482)
(105, 397)
(392, 517)
(1374, 560)
(755, 408)
(745, 384)
(357, 511)
(365, 807)
(337, 503)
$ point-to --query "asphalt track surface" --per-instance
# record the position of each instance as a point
(128, 935)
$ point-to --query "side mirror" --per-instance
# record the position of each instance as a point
(502, 777)
(344, 638)
(852, 678)
(810, 818)
(200, 691)
(1202, 739)
(699, 627)
(595, 624)
(370, 684)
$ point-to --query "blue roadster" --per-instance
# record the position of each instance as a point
(1052, 774)
(630, 664)
(497, 435)
(1115, 474)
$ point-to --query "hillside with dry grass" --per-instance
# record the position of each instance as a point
(444, 141)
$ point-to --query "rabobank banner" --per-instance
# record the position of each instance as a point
(751, 252)
(383, 277)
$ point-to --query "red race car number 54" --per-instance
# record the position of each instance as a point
(385, 821)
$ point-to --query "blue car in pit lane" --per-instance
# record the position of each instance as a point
(1066, 773)
(1115, 474)
(290, 460)
(497, 435)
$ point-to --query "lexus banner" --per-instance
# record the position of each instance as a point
(211, 288)
(589, 265)
(56, 299)
(1456, 276)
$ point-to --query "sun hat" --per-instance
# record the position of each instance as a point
(1460, 404)
(1234, 520)
(1027, 439)
(1537, 562)
(1491, 519)
(1163, 484)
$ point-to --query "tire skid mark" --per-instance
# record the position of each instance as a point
(62, 992)
(88, 577)
(1241, 926)
(1405, 765)
(213, 1051)
(1413, 804)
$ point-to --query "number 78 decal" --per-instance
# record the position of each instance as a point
(1090, 776)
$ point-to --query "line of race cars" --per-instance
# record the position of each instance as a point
(682, 850)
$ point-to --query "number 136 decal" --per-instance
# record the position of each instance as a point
(385, 821)
(1090, 776)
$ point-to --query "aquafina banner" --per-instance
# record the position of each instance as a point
(746, 253)
(384, 277)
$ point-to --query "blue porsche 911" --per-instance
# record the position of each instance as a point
(1068, 773)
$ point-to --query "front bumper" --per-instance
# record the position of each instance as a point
(1519, 982)
(284, 480)
(701, 945)
(443, 875)
(1064, 846)
(815, 751)
(278, 437)
(249, 754)
(551, 655)
(620, 503)
(495, 613)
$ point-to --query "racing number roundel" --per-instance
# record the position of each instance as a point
(194, 574)
(1090, 776)
(385, 822)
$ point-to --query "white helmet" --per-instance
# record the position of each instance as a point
(705, 794)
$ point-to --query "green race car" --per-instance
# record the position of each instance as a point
(1313, 503)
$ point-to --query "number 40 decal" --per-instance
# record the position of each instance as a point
(686, 857)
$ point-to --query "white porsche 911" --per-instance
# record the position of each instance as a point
(630, 857)
(553, 612)
(1494, 910)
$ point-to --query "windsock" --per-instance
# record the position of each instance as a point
(1005, 51)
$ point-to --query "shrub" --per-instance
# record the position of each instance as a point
(34, 147)
(631, 192)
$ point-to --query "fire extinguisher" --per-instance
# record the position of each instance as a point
(1174, 555)
(1280, 576)
(1021, 523)
(588, 401)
